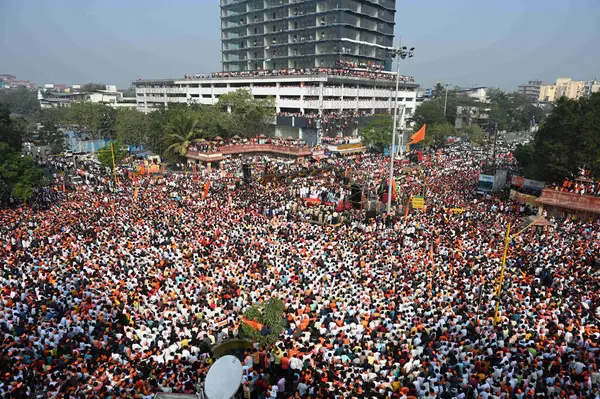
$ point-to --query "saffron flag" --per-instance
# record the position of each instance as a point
(136, 192)
(206, 187)
(251, 323)
(418, 136)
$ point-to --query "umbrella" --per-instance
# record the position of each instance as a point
(201, 141)
(290, 138)
(218, 138)
(236, 137)
(262, 136)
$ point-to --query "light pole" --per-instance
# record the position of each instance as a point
(401, 53)
(446, 98)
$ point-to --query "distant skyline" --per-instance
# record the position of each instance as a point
(461, 42)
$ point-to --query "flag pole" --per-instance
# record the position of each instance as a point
(112, 151)
(501, 280)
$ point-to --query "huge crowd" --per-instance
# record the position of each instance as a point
(121, 295)
(371, 74)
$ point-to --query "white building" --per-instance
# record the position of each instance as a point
(299, 98)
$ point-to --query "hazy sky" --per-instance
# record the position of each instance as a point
(463, 42)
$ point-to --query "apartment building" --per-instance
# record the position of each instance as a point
(286, 34)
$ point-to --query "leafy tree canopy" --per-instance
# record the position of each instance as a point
(436, 134)
(131, 126)
(377, 133)
(19, 175)
(247, 116)
(270, 314)
(20, 101)
(182, 130)
(567, 141)
(9, 133)
(474, 133)
(93, 86)
(105, 155)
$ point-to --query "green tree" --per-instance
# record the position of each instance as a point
(107, 122)
(8, 133)
(93, 86)
(270, 314)
(98, 120)
(429, 112)
(129, 92)
(52, 136)
(182, 131)
(568, 141)
(19, 175)
(377, 133)
(23, 127)
(58, 116)
(438, 91)
(246, 116)
(214, 122)
(20, 101)
(524, 154)
(131, 126)
(105, 154)
(474, 133)
(156, 139)
(437, 134)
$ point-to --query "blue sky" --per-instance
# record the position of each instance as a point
(462, 42)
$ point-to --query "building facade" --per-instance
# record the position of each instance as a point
(298, 34)
(531, 89)
(564, 87)
(591, 87)
(305, 103)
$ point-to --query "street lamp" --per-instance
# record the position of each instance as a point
(446, 98)
(401, 53)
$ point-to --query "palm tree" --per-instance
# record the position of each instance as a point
(438, 90)
(183, 131)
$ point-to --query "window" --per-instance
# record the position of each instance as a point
(274, 28)
(256, 31)
(274, 15)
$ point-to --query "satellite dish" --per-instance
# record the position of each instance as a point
(224, 378)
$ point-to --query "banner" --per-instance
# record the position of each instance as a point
(251, 323)
(418, 202)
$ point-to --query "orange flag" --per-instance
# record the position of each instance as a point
(206, 187)
(418, 136)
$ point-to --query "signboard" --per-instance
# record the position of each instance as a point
(518, 181)
(418, 202)
(534, 185)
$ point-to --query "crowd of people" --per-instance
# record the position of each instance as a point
(122, 295)
(582, 186)
(371, 74)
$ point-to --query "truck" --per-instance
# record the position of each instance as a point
(489, 184)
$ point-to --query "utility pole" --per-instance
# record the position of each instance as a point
(400, 53)
(494, 149)
(446, 99)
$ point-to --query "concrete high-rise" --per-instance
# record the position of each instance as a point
(286, 34)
